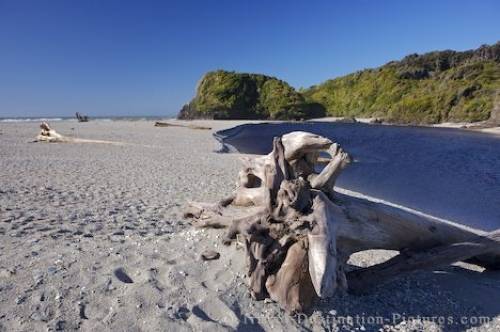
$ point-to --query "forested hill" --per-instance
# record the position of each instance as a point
(429, 88)
(229, 95)
(433, 87)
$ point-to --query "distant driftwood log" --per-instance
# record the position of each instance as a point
(299, 232)
(169, 124)
(81, 117)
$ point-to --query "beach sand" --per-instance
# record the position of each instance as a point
(482, 126)
(92, 238)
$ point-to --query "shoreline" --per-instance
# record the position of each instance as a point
(482, 126)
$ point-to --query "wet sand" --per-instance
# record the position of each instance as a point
(92, 238)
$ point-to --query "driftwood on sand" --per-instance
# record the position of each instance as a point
(81, 117)
(299, 233)
(190, 126)
(49, 135)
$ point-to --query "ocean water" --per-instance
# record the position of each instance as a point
(448, 173)
(98, 118)
(35, 119)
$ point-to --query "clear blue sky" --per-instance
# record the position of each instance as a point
(108, 57)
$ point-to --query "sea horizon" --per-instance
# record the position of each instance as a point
(73, 118)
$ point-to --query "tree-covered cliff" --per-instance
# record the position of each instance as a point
(429, 88)
(229, 95)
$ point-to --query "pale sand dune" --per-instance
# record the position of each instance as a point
(92, 238)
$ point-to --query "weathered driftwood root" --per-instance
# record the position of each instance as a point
(292, 285)
(168, 124)
(299, 232)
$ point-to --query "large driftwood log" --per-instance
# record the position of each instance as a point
(411, 260)
(300, 233)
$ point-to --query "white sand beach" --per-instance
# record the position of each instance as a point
(92, 238)
(482, 126)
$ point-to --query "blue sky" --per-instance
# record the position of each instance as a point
(108, 57)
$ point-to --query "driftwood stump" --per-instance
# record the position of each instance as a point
(300, 233)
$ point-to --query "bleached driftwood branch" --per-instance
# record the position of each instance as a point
(300, 233)
(190, 126)
(49, 135)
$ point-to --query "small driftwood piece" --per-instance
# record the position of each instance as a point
(81, 117)
(190, 126)
(49, 135)
(299, 233)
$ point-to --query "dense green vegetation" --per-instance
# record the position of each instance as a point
(229, 95)
(430, 88)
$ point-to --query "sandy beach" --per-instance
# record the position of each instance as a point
(92, 238)
(482, 126)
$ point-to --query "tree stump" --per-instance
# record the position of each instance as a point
(300, 233)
